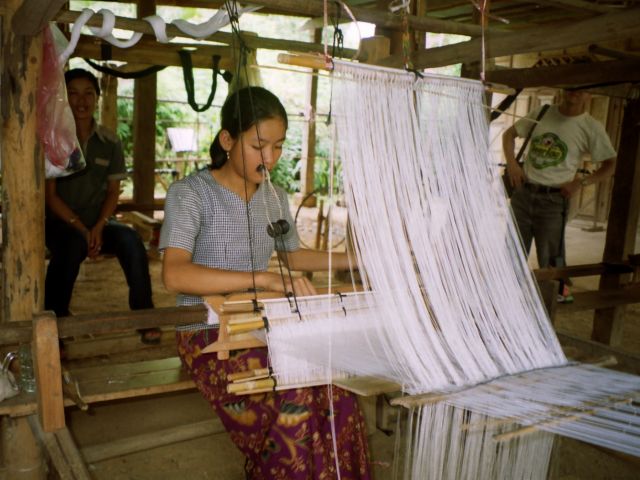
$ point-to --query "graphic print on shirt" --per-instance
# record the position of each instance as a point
(547, 150)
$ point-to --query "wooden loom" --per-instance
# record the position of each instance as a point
(238, 319)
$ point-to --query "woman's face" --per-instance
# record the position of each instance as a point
(83, 98)
(260, 144)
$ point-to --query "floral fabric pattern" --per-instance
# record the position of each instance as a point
(285, 435)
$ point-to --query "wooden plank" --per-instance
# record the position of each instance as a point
(587, 270)
(111, 382)
(48, 371)
(50, 444)
(111, 322)
(572, 74)
(72, 454)
(623, 221)
(139, 443)
(604, 28)
(599, 299)
(627, 362)
(154, 53)
(367, 386)
(131, 379)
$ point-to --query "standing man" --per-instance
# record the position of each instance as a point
(543, 188)
(80, 207)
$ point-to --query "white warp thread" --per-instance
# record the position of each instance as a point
(453, 303)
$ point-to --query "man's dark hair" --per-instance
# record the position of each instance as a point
(75, 73)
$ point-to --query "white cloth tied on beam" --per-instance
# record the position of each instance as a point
(199, 31)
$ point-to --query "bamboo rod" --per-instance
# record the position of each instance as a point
(317, 62)
(266, 384)
(232, 377)
(244, 327)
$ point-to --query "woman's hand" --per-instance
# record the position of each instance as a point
(300, 286)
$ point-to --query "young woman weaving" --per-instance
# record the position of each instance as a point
(221, 227)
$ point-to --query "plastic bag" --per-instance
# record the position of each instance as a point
(56, 126)
(8, 385)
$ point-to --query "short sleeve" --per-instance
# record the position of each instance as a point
(524, 125)
(117, 169)
(291, 239)
(600, 146)
(182, 217)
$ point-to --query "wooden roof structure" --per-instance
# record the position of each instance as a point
(550, 42)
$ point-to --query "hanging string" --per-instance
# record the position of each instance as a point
(187, 73)
(120, 74)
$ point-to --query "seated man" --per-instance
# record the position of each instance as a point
(80, 207)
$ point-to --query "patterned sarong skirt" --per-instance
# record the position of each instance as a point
(284, 434)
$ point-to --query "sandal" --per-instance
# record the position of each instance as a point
(150, 336)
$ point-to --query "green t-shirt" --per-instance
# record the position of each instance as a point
(84, 192)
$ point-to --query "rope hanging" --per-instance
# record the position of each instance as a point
(187, 71)
(128, 75)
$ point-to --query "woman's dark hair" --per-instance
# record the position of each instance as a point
(241, 111)
(75, 73)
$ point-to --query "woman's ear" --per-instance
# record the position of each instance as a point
(226, 140)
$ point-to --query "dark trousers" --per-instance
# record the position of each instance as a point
(68, 248)
(541, 217)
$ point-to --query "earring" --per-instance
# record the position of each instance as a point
(227, 152)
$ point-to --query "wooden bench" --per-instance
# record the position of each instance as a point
(100, 383)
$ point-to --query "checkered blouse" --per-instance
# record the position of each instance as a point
(210, 221)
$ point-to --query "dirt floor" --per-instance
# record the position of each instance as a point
(101, 288)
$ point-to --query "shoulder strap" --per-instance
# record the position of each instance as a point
(543, 110)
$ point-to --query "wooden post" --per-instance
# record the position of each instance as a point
(46, 354)
(22, 177)
(144, 128)
(623, 221)
(308, 155)
(109, 105)
(374, 48)
(23, 459)
(395, 36)
(22, 216)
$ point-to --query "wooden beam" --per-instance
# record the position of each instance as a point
(579, 6)
(315, 8)
(623, 221)
(33, 15)
(612, 53)
(253, 42)
(99, 323)
(153, 53)
(22, 177)
(627, 362)
(604, 28)
(565, 75)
